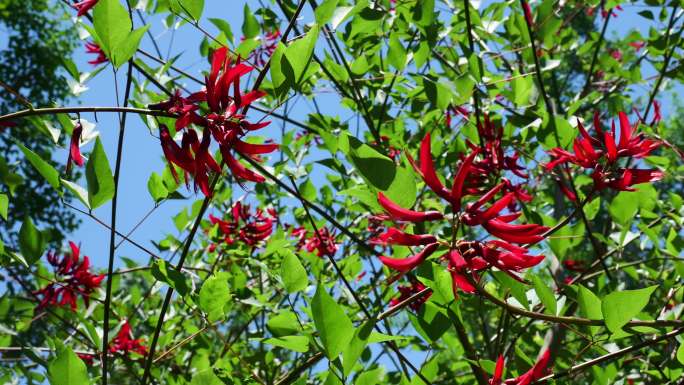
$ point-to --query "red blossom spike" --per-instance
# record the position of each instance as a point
(74, 149)
(254, 149)
(407, 264)
(625, 130)
(401, 214)
(427, 168)
(610, 146)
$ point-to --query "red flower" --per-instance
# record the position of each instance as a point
(602, 153)
(84, 6)
(93, 48)
(224, 122)
(74, 149)
(528, 13)
(124, 342)
(465, 257)
(574, 265)
(323, 243)
(637, 45)
(250, 228)
(538, 371)
(407, 292)
(72, 279)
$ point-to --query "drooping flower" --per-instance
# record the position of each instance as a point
(245, 225)
(72, 279)
(464, 258)
(637, 45)
(538, 371)
(225, 120)
(125, 344)
(602, 153)
(84, 6)
(74, 147)
(93, 48)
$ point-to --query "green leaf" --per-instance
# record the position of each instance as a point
(44, 168)
(224, 27)
(424, 12)
(4, 203)
(590, 306)
(515, 288)
(396, 55)
(325, 11)
(32, 242)
(124, 51)
(619, 307)
(298, 55)
(380, 172)
(192, 8)
(213, 296)
(358, 343)
(99, 177)
(77, 190)
(335, 328)
(285, 323)
(250, 25)
(206, 377)
(156, 187)
(522, 90)
(680, 353)
(67, 369)
(295, 343)
(292, 272)
(545, 294)
(172, 277)
(624, 207)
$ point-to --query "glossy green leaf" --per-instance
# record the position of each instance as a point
(44, 168)
(590, 306)
(250, 25)
(295, 343)
(80, 192)
(324, 12)
(206, 377)
(214, 295)
(156, 187)
(545, 294)
(396, 54)
(32, 242)
(67, 369)
(619, 307)
(624, 207)
(112, 31)
(358, 343)
(4, 204)
(99, 177)
(335, 328)
(224, 27)
(292, 272)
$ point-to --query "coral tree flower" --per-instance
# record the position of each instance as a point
(407, 292)
(464, 257)
(93, 48)
(74, 147)
(263, 52)
(124, 342)
(250, 228)
(224, 120)
(323, 243)
(84, 6)
(538, 371)
(602, 153)
(72, 279)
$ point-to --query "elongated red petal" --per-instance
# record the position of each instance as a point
(407, 264)
(457, 187)
(497, 206)
(401, 214)
(610, 146)
(498, 371)
(625, 130)
(74, 149)
(254, 149)
(487, 197)
(238, 169)
(427, 169)
(395, 236)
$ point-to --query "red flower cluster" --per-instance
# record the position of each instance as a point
(465, 257)
(250, 228)
(95, 49)
(407, 292)
(73, 278)
(224, 121)
(539, 370)
(601, 153)
(84, 6)
(323, 243)
(122, 343)
(262, 53)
